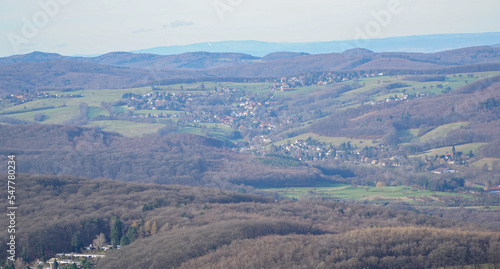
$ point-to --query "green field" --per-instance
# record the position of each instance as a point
(152, 112)
(215, 130)
(256, 87)
(301, 90)
(411, 135)
(408, 135)
(54, 115)
(127, 128)
(453, 81)
(63, 109)
(490, 162)
(465, 148)
(442, 131)
(360, 143)
(344, 191)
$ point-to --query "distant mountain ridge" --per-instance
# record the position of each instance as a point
(420, 43)
(194, 60)
(40, 70)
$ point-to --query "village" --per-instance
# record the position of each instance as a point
(76, 260)
(242, 112)
(256, 120)
(228, 106)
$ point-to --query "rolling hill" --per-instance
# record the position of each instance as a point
(194, 60)
(121, 69)
(185, 159)
(358, 159)
(188, 227)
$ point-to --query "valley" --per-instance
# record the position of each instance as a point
(223, 153)
(253, 116)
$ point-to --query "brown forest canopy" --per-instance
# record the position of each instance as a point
(197, 225)
(124, 70)
(171, 159)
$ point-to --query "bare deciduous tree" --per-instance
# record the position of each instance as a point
(99, 241)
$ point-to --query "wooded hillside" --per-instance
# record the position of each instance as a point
(190, 227)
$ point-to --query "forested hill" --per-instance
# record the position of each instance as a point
(467, 104)
(186, 227)
(54, 208)
(167, 159)
(121, 69)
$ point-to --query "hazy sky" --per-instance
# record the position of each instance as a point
(72, 27)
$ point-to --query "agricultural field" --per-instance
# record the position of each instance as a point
(358, 193)
(411, 135)
(127, 128)
(299, 161)
(254, 87)
(442, 131)
(491, 163)
(465, 148)
(408, 135)
(65, 107)
(453, 81)
(360, 143)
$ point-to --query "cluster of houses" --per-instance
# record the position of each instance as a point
(66, 259)
(450, 158)
(394, 161)
(156, 115)
(493, 190)
(444, 170)
(313, 150)
(240, 110)
(309, 150)
(290, 83)
(287, 84)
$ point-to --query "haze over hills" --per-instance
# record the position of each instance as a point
(422, 43)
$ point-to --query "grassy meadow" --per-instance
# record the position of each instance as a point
(359, 193)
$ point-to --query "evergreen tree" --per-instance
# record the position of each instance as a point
(76, 243)
(132, 234)
(124, 241)
(86, 264)
(72, 266)
(116, 231)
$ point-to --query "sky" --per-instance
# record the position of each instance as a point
(91, 27)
